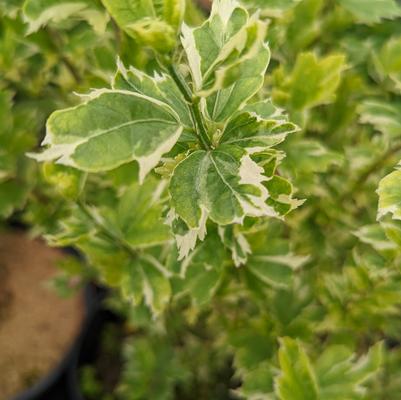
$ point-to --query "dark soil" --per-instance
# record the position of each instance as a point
(36, 326)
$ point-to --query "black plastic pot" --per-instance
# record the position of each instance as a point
(88, 349)
(55, 385)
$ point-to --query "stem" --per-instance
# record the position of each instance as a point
(118, 35)
(193, 107)
(106, 232)
(58, 44)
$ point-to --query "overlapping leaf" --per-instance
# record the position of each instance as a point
(227, 58)
(337, 374)
(152, 23)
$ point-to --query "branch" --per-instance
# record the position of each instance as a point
(109, 234)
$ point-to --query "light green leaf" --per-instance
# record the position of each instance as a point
(388, 61)
(111, 128)
(372, 11)
(392, 229)
(313, 81)
(67, 181)
(389, 192)
(389, 55)
(297, 380)
(39, 13)
(223, 184)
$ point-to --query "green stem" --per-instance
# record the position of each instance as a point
(194, 108)
(106, 232)
(57, 42)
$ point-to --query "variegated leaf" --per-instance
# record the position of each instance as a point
(223, 184)
(236, 242)
(160, 87)
(111, 128)
(227, 58)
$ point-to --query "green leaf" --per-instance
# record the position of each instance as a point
(152, 368)
(257, 383)
(281, 195)
(389, 192)
(224, 185)
(202, 270)
(13, 196)
(39, 13)
(309, 155)
(297, 380)
(152, 23)
(276, 265)
(372, 11)
(111, 128)
(137, 217)
(375, 236)
(274, 8)
(341, 376)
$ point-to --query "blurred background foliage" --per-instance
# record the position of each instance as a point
(334, 300)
